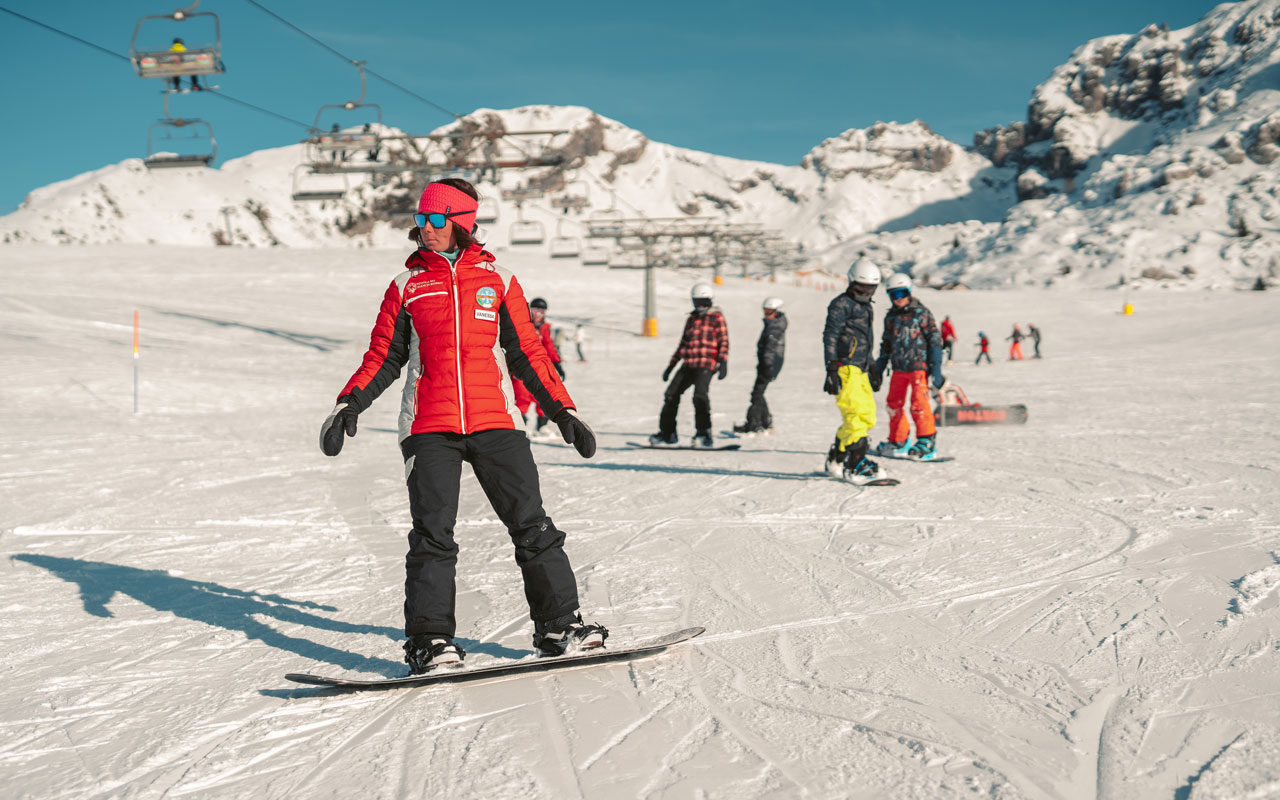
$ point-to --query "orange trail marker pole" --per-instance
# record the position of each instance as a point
(135, 361)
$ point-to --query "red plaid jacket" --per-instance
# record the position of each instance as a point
(705, 342)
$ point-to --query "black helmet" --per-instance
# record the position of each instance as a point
(178, 40)
(538, 302)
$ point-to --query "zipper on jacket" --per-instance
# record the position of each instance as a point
(457, 345)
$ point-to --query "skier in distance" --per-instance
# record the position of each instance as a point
(461, 325)
(770, 349)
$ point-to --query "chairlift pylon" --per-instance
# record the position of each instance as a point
(205, 59)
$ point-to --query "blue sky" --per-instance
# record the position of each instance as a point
(756, 80)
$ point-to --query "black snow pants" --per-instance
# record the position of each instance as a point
(700, 379)
(504, 466)
(758, 416)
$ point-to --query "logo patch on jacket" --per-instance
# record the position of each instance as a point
(491, 316)
(485, 298)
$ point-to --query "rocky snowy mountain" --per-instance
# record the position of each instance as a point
(1146, 159)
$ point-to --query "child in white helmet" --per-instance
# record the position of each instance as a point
(846, 344)
(769, 352)
(704, 349)
(912, 346)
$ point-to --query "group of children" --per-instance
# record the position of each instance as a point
(1015, 346)
(911, 352)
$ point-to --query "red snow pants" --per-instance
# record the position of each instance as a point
(1015, 351)
(916, 383)
(524, 398)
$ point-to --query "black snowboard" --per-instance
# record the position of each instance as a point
(983, 415)
(835, 476)
(683, 446)
(591, 657)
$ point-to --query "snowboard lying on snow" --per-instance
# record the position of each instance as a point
(504, 669)
(982, 415)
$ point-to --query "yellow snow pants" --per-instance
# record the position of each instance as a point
(857, 406)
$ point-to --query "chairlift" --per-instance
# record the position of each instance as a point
(310, 187)
(562, 244)
(595, 256)
(576, 196)
(604, 222)
(160, 157)
(338, 143)
(487, 212)
(526, 232)
(205, 59)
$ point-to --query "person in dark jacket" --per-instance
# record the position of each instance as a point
(847, 339)
(769, 352)
(446, 317)
(704, 349)
(912, 346)
(1034, 333)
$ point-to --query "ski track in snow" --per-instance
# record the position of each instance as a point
(1083, 606)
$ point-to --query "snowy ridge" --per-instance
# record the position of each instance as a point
(1145, 160)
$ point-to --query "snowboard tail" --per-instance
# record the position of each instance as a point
(982, 415)
(599, 655)
(682, 446)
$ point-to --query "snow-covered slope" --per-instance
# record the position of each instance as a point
(1084, 606)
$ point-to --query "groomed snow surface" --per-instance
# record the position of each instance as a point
(1084, 606)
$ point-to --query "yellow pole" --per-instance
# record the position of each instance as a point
(650, 327)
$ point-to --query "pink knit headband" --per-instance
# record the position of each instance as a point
(439, 198)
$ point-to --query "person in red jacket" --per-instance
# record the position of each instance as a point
(704, 348)
(461, 325)
(524, 398)
(948, 337)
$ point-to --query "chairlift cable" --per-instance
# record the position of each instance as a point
(349, 60)
(126, 58)
(64, 33)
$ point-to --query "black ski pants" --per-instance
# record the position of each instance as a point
(758, 416)
(504, 466)
(700, 379)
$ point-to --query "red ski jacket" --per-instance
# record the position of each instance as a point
(463, 331)
(705, 342)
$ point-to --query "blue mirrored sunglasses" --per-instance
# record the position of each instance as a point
(896, 294)
(437, 220)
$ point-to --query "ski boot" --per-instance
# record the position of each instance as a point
(924, 448)
(703, 439)
(424, 652)
(567, 634)
(887, 448)
(661, 439)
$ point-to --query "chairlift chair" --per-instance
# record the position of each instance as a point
(487, 211)
(159, 158)
(205, 59)
(346, 142)
(595, 256)
(565, 247)
(523, 232)
(576, 196)
(308, 187)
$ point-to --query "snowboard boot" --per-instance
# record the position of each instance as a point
(424, 652)
(661, 439)
(887, 448)
(835, 458)
(864, 470)
(703, 439)
(567, 634)
(924, 448)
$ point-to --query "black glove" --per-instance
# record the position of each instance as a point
(937, 376)
(666, 373)
(559, 368)
(833, 383)
(576, 432)
(875, 377)
(340, 423)
(722, 370)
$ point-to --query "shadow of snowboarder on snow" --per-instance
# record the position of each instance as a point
(212, 604)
